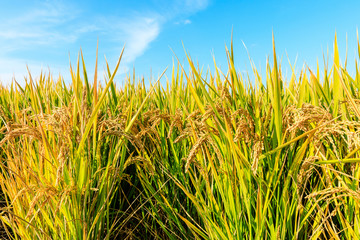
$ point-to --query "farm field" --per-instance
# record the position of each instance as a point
(204, 155)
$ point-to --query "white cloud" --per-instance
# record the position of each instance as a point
(187, 21)
(44, 25)
(31, 34)
(186, 7)
(184, 22)
(136, 31)
(138, 34)
(56, 25)
(196, 5)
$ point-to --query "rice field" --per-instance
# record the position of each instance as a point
(206, 155)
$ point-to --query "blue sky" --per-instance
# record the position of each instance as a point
(42, 34)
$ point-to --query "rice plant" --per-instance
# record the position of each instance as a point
(207, 155)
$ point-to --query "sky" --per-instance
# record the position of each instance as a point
(48, 35)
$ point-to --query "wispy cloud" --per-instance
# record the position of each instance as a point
(136, 31)
(183, 22)
(47, 24)
(28, 35)
(140, 29)
(185, 7)
(196, 5)
(187, 21)
(57, 26)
